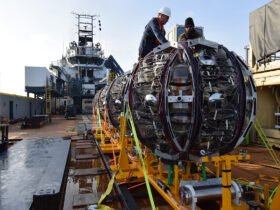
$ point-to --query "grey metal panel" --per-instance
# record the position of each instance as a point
(265, 29)
(29, 167)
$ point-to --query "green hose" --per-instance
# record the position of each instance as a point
(170, 174)
(204, 177)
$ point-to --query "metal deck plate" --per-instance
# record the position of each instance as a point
(29, 168)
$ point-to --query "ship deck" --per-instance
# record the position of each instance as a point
(88, 178)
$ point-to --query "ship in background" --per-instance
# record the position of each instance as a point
(78, 75)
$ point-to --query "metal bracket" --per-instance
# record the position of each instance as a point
(182, 99)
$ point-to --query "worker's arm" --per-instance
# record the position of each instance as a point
(157, 32)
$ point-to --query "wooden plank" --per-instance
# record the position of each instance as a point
(269, 178)
(85, 141)
(86, 151)
(89, 172)
(87, 156)
(270, 165)
(81, 200)
(85, 146)
(82, 164)
(76, 138)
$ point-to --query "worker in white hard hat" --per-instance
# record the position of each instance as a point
(154, 32)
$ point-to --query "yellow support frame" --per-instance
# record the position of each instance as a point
(108, 144)
(275, 203)
(128, 171)
(226, 162)
(96, 120)
(172, 194)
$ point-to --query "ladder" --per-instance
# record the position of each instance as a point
(48, 100)
(263, 137)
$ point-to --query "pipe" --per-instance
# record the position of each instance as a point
(211, 189)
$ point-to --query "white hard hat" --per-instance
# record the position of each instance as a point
(165, 11)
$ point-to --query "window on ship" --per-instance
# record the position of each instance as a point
(83, 72)
(95, 60)
(90, 73)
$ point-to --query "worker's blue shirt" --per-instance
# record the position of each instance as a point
(152, 37)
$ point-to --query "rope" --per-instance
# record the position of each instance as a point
(262, 135)
(141, 158)
(107, 192)
(99, 123)
(271, 196)
(114, 154)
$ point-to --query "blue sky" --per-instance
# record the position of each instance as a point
(36, 32)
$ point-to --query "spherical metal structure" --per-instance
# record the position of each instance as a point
(187, 100)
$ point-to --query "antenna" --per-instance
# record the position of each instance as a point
(99, 24)
(85, 28)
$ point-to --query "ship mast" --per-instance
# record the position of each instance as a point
(85, 29)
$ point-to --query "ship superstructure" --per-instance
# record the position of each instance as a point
(82, 68)
(80, 73)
